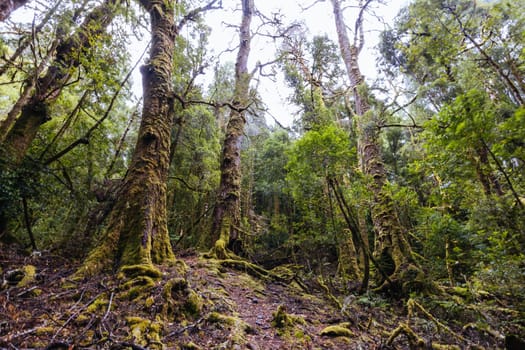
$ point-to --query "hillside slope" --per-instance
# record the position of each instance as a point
(216, 305)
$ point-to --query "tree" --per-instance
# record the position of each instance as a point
(461, 59)
(136, 236)
(392, 250)
(18, 131)
(226, 225)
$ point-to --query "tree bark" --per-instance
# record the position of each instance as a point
(34, 110)
(137, 235)
(392, 251)
(227, 211)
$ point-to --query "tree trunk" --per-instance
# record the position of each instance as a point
(137, 235)
(392, 251)
(15, 140)
(227, 211)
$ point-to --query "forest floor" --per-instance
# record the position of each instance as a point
(215, 306)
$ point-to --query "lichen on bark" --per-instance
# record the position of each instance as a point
(137, 236)
(227, 211)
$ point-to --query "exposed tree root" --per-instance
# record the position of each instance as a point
(329, 294)
(412, 304)
(415, 342)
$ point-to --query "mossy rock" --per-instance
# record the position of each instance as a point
(284, 322)
(193, 305)
(181, 300)
(340, 330)
(145, 332)
(21, 277)
(238, 328)
(29, 275)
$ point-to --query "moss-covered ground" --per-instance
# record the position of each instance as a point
(213, 305)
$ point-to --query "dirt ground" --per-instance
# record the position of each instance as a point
(214, 306)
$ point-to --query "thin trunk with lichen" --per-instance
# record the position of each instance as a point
(136, 236)
(16, 139)
(227, 212)
(32, 107)
(392, 251)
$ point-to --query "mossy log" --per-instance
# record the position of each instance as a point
(340, 330)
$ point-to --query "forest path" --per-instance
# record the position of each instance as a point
(211, 306)
(257, 302)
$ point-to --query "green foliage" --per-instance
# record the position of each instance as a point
(314, 159)
(313, 72)
(194, 175)
(318, 154)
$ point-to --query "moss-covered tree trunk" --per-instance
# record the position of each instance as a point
(227, 211)
(136, 236)
(392, 252)
(32, 108)
(17, 138)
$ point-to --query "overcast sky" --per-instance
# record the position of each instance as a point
(317, 18)
(319, 21)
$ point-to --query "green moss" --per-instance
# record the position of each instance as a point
(238, 328)
(181, 300)
(145, 332)
(45, 331)
(139, 270)
(175, 287)
(149, 302)
(193, 305)
(100, 304)
(340, 330)
(29, 275)
(82, 320)
(137, 287)
(190, 346)
(284, 322)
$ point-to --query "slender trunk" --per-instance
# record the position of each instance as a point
(352, 244)
(47, 88)
(227, 212)
(34, 113)
(392, 251)
(24, 43)
(137, 234)
(27, 222)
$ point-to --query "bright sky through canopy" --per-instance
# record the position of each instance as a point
(317, 18)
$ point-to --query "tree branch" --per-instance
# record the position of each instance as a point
(192, 15)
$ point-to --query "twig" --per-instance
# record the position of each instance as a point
(75, 314)
(109, 307)
(184, 329)
(9, 338)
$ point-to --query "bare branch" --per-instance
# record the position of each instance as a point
(85, 139)
(192, 15)
(310, 6)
